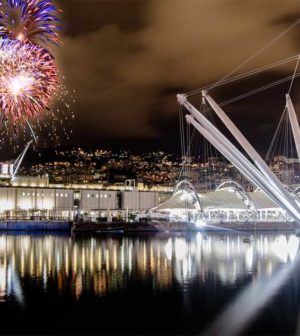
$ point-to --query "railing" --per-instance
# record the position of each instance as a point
(34, 218)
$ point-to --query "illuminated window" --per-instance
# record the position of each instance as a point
(88, 195)
(105, 196)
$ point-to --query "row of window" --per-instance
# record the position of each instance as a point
(97, 195)
(64, 195)
(38, 194)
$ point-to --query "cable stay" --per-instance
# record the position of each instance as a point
(258, 52)
(244, 75)
(263, 88)
(285, 144)
(198, 152)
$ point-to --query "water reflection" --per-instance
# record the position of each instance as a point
(100, 265)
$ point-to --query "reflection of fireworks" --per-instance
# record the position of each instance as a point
(28, 79)
(29, 20)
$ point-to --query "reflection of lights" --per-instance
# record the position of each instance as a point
(279, 248)
(25, 244)
(122, 258)
(2, 244)
(107, 259)
(249, 258)
(99, 259)
(2, 281)
(57, 260)
(107, 262)
(144, 255)
(168, 249)
(31, 263)
(75, 259)
(67, 261)
(181, 248)
(115, 258)
(293, 247)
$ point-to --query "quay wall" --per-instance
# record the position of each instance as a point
(34, 225)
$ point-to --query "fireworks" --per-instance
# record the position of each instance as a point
(35, 21)
(33, 100)
(28, 80)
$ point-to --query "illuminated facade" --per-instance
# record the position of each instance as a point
(228, 203)
(285, 202)
(42, 202)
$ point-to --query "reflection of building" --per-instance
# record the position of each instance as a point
(104, 265)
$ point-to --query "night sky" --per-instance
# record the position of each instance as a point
(127, 61)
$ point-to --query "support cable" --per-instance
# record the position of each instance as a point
(259, 51)
(293, 78)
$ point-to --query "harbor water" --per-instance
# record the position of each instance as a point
(198, 284)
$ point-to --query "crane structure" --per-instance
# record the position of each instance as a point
(254, 169)
(19, 160)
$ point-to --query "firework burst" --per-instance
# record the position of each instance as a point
(28, 80)
(35, 21)
(33, 99)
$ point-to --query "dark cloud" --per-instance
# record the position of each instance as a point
(83, 16)
(127, 61)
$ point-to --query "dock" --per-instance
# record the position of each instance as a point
(162, 226)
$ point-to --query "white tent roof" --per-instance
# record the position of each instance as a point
(222, 199)
(261, 200)
(178, 201)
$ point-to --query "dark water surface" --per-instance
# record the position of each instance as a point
(205, 284)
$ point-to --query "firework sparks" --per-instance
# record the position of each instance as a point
(28, 80)
(32, 96)
(30, 20)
